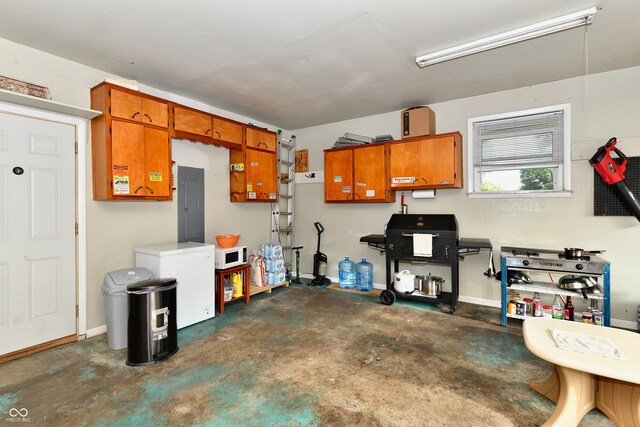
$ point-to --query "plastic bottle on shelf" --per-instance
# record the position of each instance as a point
(537, 305)
(558, 309)
(364, 275)
(568, 310)
(347, 274)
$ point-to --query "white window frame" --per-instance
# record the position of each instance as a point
(472, 176)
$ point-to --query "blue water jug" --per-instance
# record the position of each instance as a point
(364, 276)
(347, 274)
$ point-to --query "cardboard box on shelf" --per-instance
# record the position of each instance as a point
(417, 121)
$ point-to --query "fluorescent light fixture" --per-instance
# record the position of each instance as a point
(555, 25)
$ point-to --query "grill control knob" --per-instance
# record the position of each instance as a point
(579, 266)
(525, 262)
(390, 246)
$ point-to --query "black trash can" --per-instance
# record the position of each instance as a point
(152, 333)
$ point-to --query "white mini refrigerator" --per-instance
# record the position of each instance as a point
(193, 265)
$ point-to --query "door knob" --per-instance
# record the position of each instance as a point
(18, 170)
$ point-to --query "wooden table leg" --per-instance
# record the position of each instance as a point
(576, 396)
(619, 400)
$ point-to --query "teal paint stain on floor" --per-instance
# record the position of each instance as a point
(88, 374)
(7, 401)
(53, 369)
(493, 352)
(281, 404)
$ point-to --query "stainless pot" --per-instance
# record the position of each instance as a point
(432, 285)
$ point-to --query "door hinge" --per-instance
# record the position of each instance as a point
(77, 311)
(76, 147)
(77, 229)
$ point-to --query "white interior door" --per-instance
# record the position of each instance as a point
(37, 232)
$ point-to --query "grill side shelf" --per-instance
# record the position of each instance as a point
(376, 241)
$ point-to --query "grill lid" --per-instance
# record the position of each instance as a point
(445, 225)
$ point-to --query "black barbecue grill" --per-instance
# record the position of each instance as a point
(446, 248)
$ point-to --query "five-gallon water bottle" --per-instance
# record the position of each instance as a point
(347, 274)
(364, 275)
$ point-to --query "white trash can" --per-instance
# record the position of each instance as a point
(116, 302)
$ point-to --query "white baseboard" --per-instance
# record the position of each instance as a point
(94, 332)
(480, 301)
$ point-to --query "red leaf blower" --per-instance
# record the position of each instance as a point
(612, 172)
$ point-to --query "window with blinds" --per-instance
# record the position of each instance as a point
(521, 153)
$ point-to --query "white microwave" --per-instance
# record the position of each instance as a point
(230, 257)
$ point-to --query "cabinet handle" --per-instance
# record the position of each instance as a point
(148, 188)
(137, 189)
(218, 133)
(358, 196)
(425, 181)
(207, 131)
(262, 143)
(150, 120)
(135, 114)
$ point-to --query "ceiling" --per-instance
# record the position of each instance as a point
(300, 63)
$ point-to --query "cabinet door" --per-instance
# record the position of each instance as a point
(227, 131)
(154, 112)
(369, 173)
(338, 175)
(260, 139)
(125, 105)
(127, 159)
(404, 165)
(437, 157)
(157, 163)
(253, 173)
(269, 176)
(192, 121)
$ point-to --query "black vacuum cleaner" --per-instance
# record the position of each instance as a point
(319, 262)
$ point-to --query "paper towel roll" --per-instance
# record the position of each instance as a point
(423, 194)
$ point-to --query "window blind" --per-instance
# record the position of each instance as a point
(519, 142)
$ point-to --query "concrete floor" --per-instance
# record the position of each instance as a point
(298, 356)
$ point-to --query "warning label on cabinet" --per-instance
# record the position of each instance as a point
(120, 184)
(396, 180)
(155, 176)
(346, 189)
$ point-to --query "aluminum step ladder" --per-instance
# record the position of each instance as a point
(282, 210)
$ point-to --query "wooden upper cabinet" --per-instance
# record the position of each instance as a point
(155, 113)
(426, 162)
(258, 180)
(129, 106)
(356, 174)
(338, 175)
(369, 171)
(131, 150)
(227, 130)
(261, 138)
(192, 121)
